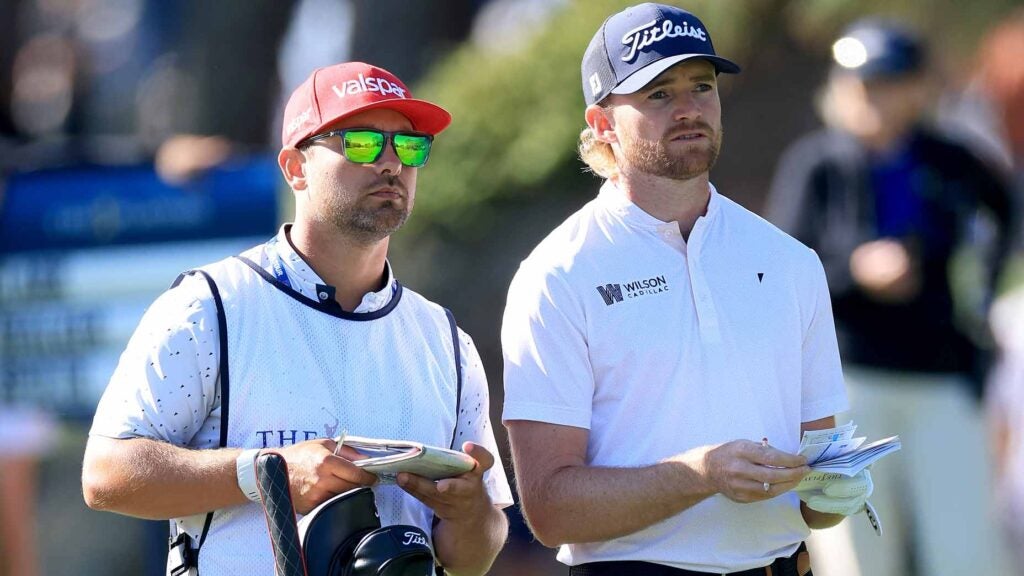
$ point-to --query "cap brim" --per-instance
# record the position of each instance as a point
(424, 116)
(877, 71)
(645, 75)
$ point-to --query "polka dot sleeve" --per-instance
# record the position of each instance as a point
(474, 424)
(164, 386)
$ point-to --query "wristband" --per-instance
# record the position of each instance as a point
(245, 472)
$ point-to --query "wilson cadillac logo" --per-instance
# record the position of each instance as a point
(612, 293)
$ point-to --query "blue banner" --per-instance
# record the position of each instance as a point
(96, 206)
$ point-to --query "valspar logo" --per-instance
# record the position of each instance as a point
(299, 120)
(371, 84)
(651, 33)
(612, 293)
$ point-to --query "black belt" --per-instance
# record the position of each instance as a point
(780, 567)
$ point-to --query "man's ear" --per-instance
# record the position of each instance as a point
(602, 123)
(293, 166)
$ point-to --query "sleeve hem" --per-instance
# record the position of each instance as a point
(546, 413)
(824, 408)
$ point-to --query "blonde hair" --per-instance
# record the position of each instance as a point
(597, 155)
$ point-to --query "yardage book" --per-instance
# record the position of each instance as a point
(386, 458)
(835, 451)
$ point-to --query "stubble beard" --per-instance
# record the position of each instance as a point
(367, 220)
(372, 224)
(655, 158)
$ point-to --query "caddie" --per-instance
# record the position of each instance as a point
(296, 340)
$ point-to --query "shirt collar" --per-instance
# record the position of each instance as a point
(308, 283)
(615, 201)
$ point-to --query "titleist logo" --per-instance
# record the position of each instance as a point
(371, 84)
(414, 538)
(651, 33)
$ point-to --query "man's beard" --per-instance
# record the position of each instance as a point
(655, 158)
(372, 224)
(368, 220)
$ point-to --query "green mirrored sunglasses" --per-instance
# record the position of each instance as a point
(365, 145)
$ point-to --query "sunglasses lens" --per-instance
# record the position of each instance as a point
(412, 149)
(363, 146)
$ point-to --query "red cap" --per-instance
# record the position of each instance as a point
(335, 92)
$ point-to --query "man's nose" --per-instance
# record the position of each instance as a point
(388, 161)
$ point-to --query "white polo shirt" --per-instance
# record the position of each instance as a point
(657, 345)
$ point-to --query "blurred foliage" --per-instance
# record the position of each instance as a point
(517, 115)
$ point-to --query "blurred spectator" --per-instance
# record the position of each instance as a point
(998, 92)
(1001, 77)
(26, 434)
(1006, 411)
(990, 111)
(25, 437)
(886, 203)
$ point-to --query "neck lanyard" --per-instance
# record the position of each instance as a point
(277, 264)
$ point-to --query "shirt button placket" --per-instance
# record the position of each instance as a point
(706, 316)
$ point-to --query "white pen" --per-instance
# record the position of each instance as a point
(340, 440)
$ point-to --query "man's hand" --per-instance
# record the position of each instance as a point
(315, 473)
(886, 270)
(461, 499)
(740, 469)
(471, 530)
(844, 496)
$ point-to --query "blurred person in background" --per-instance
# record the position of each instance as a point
(1001, 79)
(1005, 404)
(990, 110)
(320, 334)
(658, 339)
(886, 203)
(26, 435)
(996, 95)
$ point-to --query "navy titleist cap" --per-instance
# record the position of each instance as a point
(634, 46)
(874, 48)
